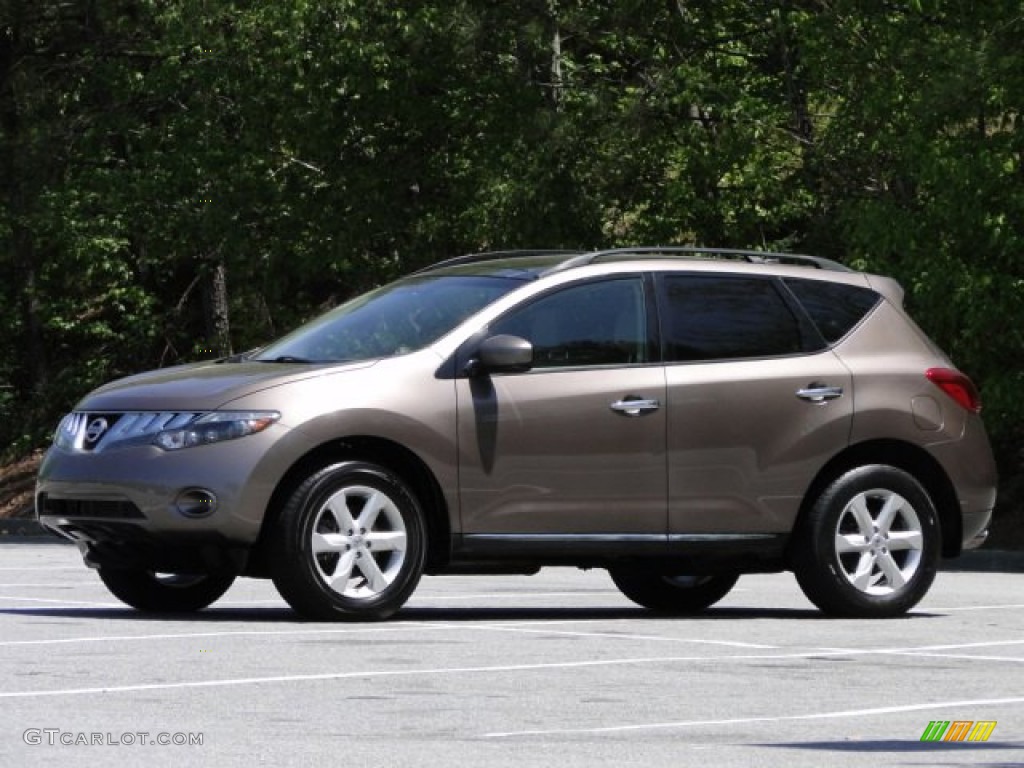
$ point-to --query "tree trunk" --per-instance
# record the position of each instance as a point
(557, 83)
(796, 87)
(215, 305)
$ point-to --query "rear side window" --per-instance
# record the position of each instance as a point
(834, 307)
(711, 317)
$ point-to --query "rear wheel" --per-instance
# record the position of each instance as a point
(870, 544)
(350, 544)
(165, 592)
(671, 593)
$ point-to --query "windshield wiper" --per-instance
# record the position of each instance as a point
(238, 357)
(284, 359)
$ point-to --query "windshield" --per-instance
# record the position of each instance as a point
(398, 318)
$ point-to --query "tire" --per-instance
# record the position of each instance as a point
(165, 592)
(671, 593)
(350, 543)
(869, 547)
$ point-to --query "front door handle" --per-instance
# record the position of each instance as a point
(819, 393)
(634, 406)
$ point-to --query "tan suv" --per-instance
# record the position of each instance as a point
(677, 416)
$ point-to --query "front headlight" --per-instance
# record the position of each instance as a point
(68, 430)
(215, 428)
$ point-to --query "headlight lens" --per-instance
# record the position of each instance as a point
(215, 428)
(68, 428)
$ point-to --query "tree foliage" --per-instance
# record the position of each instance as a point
(184, 177)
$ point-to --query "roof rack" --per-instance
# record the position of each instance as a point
(472, 258)
(576, 258)
(679, 251)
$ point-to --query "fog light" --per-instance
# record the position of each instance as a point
(196, 502)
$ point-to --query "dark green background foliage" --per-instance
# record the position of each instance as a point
(183, 177)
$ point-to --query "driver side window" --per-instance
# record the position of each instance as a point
(587, 324)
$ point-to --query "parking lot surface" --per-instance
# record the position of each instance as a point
(556, 669)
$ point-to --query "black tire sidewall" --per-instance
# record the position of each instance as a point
(821, 574)
(295, 571)
(142, 590)
(656, 591)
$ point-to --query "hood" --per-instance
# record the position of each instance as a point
(202, 386)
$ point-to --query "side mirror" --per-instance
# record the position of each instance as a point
(501, 354)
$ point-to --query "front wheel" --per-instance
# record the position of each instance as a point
(165, 592)
(869, 546)
(671, 593)
(350, 544)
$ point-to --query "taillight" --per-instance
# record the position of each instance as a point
(957, 386)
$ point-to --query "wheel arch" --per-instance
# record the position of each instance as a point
(413, 471)
(911, 459)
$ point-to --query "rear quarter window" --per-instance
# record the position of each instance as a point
(835, 308)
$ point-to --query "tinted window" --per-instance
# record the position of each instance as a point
(601, 323)
(835, 308)
(711, 317)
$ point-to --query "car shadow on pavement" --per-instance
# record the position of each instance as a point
(274, 614)
(216, 614)
(475, 613)
(906, 746)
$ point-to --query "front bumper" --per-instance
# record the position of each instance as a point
(124, 507)
(124, 545)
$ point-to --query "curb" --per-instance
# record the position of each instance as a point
(25, 531)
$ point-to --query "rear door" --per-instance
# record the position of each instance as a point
(757, 404)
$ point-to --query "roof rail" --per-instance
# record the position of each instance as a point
(680, 251)
(577, 258)
(472, 258)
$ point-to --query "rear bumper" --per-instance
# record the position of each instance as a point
(979, 539)
(971, 469)
(976, 528)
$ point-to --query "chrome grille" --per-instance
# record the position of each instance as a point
(91, 431)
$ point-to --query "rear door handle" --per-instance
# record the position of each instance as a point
(819, 394)
(634, 406)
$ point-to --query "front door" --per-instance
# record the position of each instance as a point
(575, 447)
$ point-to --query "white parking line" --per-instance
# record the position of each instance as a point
(41, 568)
(532, 626)
(933, 705)
(50, 585)
(420, 597)
(440, 671)
(59, 602)
(923, 648)
(973, 608)
(963, 656)
(520, 626)
(613, 635)
(207, 635)
(382, 673)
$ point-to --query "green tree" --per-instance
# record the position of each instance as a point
(181, 178)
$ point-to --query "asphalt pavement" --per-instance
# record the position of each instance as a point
(556, 669)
